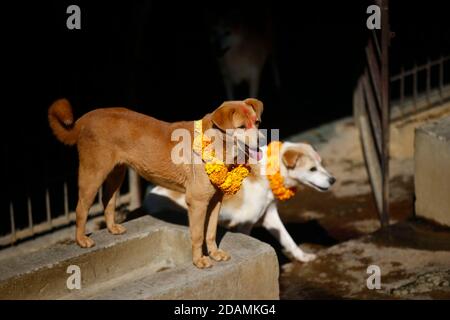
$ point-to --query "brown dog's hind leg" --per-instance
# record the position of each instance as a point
(111, 187)
(211, 231)
(89, 181)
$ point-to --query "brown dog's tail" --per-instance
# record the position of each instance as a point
(60, 117)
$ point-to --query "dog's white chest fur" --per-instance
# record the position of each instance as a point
(249, 204)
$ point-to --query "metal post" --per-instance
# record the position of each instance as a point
(13, 224)
(414, 71)
(441, 78)
(385, 40)
(100, 196)
(402, 89)
(135, 189)
(428, 70)
(30, 215)
(66, 202)
(47, 207)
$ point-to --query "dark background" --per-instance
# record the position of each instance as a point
(155, 57)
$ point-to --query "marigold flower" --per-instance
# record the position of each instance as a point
(276, 180)
(228, 181)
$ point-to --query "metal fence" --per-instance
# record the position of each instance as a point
(417, 89)
(131, 199)
(411, 99)
(433, 75)
(371, 103)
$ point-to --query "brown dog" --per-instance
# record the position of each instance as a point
(110, 139)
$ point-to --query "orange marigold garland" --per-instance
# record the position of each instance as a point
(276, 180)
(229, 181)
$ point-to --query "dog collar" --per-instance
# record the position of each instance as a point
(276, 180)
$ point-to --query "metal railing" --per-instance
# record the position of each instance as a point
(372, 105)
(131, 199)
(429, 97)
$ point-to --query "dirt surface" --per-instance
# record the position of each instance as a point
(414, 258)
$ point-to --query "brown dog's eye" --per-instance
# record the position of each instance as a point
(242, 127)
(313, 169)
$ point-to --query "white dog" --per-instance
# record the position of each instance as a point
(256, 202)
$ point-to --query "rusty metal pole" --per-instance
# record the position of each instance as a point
(385, 41)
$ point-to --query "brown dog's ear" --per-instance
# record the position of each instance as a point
(290, 158)
(222, 117)
(256, 105)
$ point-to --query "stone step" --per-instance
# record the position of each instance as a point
(152, 260)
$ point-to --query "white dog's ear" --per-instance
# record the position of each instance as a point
(290, 158)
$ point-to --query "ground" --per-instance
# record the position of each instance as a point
(413, 255)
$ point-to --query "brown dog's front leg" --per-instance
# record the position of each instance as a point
(197, 216)
(211, 231)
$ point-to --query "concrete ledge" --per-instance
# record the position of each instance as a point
(432, 171)
(151, 261)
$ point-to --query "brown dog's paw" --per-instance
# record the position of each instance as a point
(117, 229)
(85, 242)
(220, 255)
(203, 262)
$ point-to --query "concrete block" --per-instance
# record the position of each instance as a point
(151, 261)
(402, 131)
(432, 171)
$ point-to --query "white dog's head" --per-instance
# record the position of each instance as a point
(302, 164)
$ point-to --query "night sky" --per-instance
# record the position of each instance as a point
(155, 57)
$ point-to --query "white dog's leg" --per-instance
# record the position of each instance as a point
(275, 226)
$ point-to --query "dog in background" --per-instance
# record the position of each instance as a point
(243, 47)
(255, 203)
(108, 140)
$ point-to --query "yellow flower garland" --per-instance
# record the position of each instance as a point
(228, 181)
(276, 180)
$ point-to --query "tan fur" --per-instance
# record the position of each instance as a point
(110, 139)
(226, 116)
(60, 118)
(290, 158)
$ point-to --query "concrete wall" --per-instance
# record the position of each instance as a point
(402, 132)
(432, 171)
